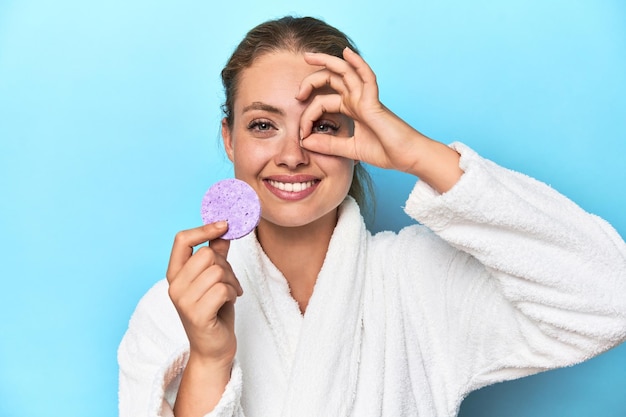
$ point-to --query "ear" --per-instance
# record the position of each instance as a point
(228, 140)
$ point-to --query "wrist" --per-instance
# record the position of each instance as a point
(202, 385)
(437, 165)
(215, 372)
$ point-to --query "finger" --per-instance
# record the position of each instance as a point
(361, 67)
(322, 80)
(185, 241)
(203, 313)
(320, 105)
(223, 272)
(227, 312)
(218, 274)
(215, 298)
(197, 289)
(345, 72)
(330, 145)
(181, 287)
(335, 64)
(207, 261)
(191, 297)
(220, 246)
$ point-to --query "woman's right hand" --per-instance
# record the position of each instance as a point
(204, 288)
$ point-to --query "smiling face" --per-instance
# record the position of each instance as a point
(296, 187)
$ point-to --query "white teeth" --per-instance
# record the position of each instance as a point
(292, 187)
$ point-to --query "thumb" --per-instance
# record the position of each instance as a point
(330, 145)
(220, 246)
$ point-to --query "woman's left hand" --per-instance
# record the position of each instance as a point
(380, 138)
(356, 96)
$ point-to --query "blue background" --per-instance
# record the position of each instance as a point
(109, 136)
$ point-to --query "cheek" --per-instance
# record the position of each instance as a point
(350, 175)
(249, 157)
(343, 170)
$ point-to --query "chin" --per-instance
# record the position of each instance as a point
(291, 222)
(300, 219)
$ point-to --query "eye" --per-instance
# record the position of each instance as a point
(325, 126)
(260, 125)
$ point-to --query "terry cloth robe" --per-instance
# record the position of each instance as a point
(505, 278)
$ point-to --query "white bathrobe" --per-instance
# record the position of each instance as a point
(505, 279)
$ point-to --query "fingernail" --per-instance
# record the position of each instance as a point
(221, 224)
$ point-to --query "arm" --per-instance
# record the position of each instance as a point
(537, 284)
(380, 138)
(152, 356)
(203, 289)
(177, 355)
(202, 385)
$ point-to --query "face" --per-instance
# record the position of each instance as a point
(296, 187)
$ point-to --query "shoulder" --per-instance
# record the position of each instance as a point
(411, 242)
(415, 258)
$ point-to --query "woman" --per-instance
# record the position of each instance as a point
(509, 279)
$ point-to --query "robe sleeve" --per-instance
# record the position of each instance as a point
(532, 282)
(152, 356)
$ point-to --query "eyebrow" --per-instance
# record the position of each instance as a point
(257, 105)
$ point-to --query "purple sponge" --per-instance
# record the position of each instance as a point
(234, 201)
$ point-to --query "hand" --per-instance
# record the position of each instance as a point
(203, 289)
(356, 96)
(380, 138)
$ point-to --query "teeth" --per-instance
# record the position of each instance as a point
(292, 187)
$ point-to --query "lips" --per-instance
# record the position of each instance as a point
(292, 188)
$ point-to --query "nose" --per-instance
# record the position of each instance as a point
(291, 154)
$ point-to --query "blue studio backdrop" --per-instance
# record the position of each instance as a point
(109, 136)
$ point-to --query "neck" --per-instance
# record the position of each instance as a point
(298, 252)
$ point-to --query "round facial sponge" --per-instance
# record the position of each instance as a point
(234, 201)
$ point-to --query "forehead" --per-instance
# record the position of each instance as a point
(272, 76)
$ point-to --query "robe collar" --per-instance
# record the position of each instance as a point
(320, 351)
